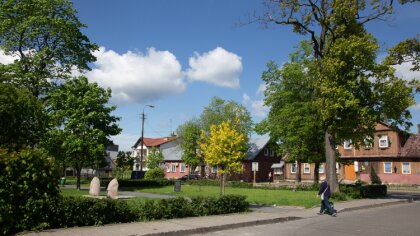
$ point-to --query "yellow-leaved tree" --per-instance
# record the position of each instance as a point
(224, 147)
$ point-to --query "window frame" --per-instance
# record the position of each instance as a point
(368, 142)
(182, 168)
(173, 167)
(383, 138)
(388, 172)
(306, 165)
(266, 152)
(323, 168)
(291, 168)
(409, 168)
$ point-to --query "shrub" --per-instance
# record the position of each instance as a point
(374, 178)
(373, 191)
(156, 173)
(351, 190)
(28, 184)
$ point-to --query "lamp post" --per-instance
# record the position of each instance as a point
(142, 137)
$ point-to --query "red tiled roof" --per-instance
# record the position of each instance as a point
(154, 142)
(411, 147)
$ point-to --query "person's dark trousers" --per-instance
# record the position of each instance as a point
(326, 204)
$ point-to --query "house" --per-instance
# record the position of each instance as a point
(174, 167)
(393, 154)
(148, 144)
(111, 153)
(259, 155)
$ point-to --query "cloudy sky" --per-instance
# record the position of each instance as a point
(177, 55)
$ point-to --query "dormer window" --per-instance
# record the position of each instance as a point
(347, 144)
(383, 141)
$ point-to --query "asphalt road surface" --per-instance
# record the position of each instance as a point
(401, 219)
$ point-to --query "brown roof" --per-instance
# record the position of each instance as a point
(411, 147)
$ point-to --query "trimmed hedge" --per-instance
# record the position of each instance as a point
(79, 211)
(373, 191)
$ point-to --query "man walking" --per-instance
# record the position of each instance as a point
(325, 194)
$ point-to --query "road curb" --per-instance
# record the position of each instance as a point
(373, 206)
(201, 230)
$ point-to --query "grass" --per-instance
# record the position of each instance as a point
(305, 199)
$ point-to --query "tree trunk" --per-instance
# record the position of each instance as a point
(316, 172)
(78, 170)
(330, 162)
(298, 172)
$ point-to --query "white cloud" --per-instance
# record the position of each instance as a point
(256, 106)
(218, 67)
(261, 89)
(137, 77)
(6, 59)
(125, 141)
(416, 107)
(404, 71)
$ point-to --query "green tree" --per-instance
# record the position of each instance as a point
(406, 51)
(46, 38)
(220, 110)
(23, 119)
(189, 134)
(124, 161)
(294, 120)
(83, 122)
(155, 158)
(225, 148)
(354, 91)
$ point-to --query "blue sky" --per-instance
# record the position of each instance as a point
(177, 55)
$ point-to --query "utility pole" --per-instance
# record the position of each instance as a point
(142, 139)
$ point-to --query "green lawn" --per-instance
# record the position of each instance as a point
(305, 199)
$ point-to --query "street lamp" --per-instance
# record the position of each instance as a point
(142, 139)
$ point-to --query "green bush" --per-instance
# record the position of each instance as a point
(373, 191)
(79, 211)
(156, 173)
(28, 184)
(197, 206)
(351, 190)
(374, 178)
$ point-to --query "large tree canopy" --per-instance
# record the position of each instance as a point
(294, 118)
(45, 37)
(83, 122)
(189, 134)
(353, 91)
(22, 116)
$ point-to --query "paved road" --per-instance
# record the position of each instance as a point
(402, 219)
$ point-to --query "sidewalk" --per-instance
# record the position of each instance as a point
(197, 225)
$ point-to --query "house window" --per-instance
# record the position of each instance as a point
(388, 167)
(383, 141)
(173, 167)
(293, 168)
(406, 168)
(214, 169)
(266, 151)
(271, 153)
(368, 142)
(306, 168)
(182, 168)
(347, 144)
(277, 171)
(337, 168)
(321, 168)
